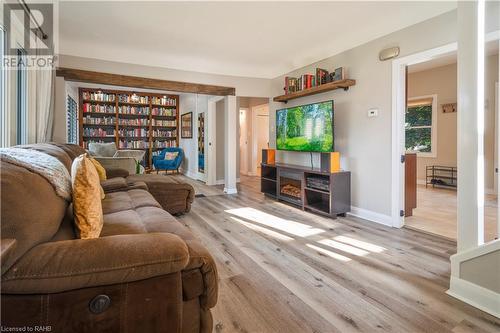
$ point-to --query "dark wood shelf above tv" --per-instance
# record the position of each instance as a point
(342, 84)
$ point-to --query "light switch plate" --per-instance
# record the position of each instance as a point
(373, 113)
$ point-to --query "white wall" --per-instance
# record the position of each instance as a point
(365, 143)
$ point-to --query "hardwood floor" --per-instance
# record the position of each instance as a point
(436, 213)
(285, 270)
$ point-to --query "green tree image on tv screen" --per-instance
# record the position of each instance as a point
(305, 128)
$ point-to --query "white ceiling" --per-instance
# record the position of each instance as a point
(253, 39)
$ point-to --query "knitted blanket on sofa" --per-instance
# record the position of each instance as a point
(42, 164)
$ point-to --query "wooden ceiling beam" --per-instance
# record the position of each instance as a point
(78, 75)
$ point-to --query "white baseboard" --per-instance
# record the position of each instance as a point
(230, 190)
(477, 296)
(371, 216)
(222, 181)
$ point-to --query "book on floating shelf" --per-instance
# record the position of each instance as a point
(309, 81)
(132, 120)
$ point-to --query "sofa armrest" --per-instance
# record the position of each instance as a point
(116, 172)
(200, 258)
(80, 263)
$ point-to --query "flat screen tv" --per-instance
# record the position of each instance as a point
(305, 128)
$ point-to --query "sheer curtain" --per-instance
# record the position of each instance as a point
(44, 103)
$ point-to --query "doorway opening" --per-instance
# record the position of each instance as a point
(254, 136)
(426, 133)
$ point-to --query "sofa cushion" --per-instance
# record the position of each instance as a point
(128, 200)
(31, 211)
(87, 193)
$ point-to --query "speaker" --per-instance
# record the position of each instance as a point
(268, 156)
(330, 162)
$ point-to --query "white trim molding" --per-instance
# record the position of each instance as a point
(468, 292)
(477, 296)
(371, 216)
(230, 190)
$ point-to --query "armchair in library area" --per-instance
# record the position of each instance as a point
(111, 158)
(170, 159)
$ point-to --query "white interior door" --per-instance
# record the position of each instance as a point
(260, 137)
(244, 141)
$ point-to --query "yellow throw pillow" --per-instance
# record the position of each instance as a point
(87, 206)
(100, 169)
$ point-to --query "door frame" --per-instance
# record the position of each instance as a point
(211, 133)
(244, 153)
(398, 121)
(253, 170)
(497, 152)
(398, 117)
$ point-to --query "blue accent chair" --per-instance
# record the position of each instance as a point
(160, 163)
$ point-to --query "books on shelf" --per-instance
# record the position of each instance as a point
(321, 76)
(133, 98)
(98, 108)
(128, 109)
(99, 132)
(163, 112)
(135, 144)
(308, 81)
(133, 133)
(98, 96)
(133, 122)
(164, 144)
(165, 100)
(163, 133)
(88, 120)
(163, 123)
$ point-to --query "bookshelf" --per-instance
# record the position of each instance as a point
(131, 120)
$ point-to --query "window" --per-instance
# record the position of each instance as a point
(420, 126)
(22, 99)
(72, 121)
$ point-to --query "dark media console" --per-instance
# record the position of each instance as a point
(311, 189)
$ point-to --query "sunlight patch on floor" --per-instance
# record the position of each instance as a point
(362, 245)
(263, 230)
(328, 253)
(344, 247)
(291, 227)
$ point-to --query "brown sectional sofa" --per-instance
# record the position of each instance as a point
(145, 273)
(173, 195)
